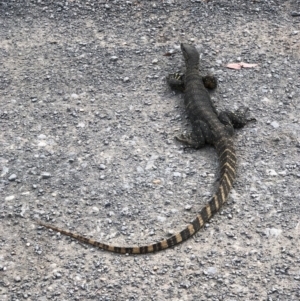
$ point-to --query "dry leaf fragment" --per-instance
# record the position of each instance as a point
(240, 65)
(245, 65)
(157, 181)
(234, 66)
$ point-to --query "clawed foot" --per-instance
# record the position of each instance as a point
(176, 82)
(251, 120)
(243, 112)
(188, 141)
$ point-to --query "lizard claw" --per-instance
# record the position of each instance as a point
(251, 120)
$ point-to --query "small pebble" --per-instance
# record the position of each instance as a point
(295, 14)
(188, 207)
(12, 177)
(275, 124)
(46, 175)
(114, 58)
(9, 198)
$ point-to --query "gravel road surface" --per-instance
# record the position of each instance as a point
(87, 143)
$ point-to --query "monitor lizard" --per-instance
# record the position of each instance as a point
(208, 127)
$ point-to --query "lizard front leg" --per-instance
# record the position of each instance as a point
(210, 82)
(176, 81)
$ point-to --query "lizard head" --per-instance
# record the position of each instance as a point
(190, 54)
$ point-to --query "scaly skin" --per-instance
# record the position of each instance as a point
(207, 128)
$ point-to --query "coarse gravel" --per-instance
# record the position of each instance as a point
(87, 143)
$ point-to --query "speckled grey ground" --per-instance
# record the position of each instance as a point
(87, 126)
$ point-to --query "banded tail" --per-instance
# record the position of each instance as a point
(226, 154)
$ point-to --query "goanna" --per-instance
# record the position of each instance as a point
(208, 127)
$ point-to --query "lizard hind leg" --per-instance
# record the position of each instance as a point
(236, 119)
(191, 141)
(199, 137)
(188, 140)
